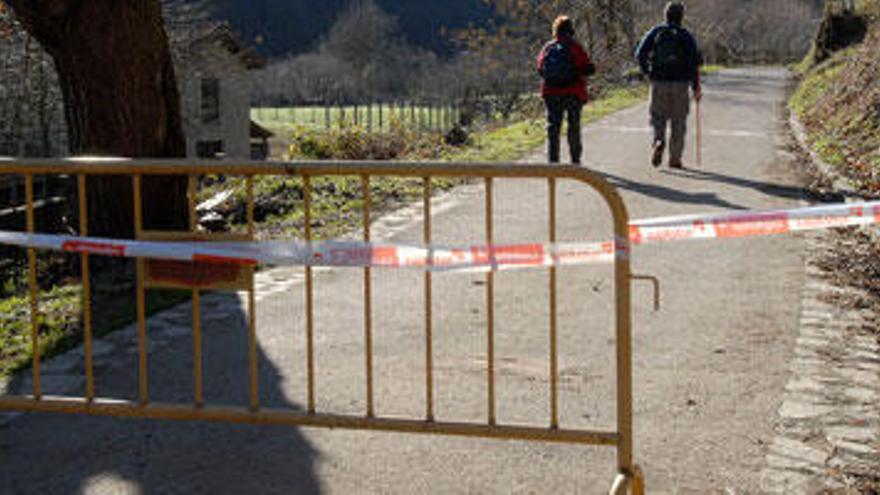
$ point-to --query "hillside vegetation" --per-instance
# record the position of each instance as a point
(287, 27)
(839, 103)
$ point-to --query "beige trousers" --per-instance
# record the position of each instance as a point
(670, 103)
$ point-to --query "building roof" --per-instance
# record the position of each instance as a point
(223, 35)
(258, 131)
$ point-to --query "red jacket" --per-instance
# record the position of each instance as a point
(581, 60)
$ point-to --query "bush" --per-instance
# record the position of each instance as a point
(355, 142)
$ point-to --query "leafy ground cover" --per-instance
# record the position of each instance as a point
(839, 103)
(59, 320)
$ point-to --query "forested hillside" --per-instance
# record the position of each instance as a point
(290, 27)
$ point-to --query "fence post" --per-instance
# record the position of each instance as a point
(326, 116)
(380, 116)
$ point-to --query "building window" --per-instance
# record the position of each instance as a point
(210, 99)
(209, 149)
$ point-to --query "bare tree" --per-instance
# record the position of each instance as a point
(362, 57)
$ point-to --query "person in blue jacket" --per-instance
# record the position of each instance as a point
(669, 56)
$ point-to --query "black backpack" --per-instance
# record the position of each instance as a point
(670, 55)
(557, 68)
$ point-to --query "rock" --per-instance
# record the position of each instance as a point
(457, 136)
(214, 222)
(801, 410)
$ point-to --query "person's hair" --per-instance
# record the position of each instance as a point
(563, 26)
(675, 12)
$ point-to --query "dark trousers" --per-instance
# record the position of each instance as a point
(558, 106)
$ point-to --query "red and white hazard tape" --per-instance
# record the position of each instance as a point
(471, 258)
(331, 253)
(754, 223)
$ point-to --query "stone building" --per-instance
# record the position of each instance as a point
(214, 74)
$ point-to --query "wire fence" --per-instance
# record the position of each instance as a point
(374, 116)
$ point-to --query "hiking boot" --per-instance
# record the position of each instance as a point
(657, 155)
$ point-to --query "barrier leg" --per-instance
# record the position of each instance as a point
(625, 484)
(620, 486)
(638, 482)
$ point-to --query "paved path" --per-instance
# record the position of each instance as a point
(710, 368)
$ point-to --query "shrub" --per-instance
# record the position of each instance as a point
(355, 142)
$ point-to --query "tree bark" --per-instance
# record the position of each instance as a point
(120, 98)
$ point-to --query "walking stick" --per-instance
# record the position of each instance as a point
(699, 136)
(699, 129)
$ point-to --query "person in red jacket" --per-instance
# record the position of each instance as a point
(564, 65)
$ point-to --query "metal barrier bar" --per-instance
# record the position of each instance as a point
(310, 299)
(490, 307)
(32, 286)
(85, 268)
(198, 392)
(429, 328)
(252, 305)
(141, 295)
(368, 299)
(269, 416)
(630, 476)
(554, 357)
(622, 281)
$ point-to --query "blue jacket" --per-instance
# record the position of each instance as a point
(646, 48)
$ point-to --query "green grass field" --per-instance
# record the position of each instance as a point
(377, 116)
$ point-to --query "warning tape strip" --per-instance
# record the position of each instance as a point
(754, 223)
(332, 253)
(470, 258)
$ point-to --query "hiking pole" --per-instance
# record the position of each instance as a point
(699, 135)
(699, 123)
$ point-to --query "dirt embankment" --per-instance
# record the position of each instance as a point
(839, 103)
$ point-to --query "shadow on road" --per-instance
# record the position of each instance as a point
(777, 190)
(669, 194)
(42, 453)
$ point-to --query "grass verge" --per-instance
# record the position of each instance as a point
(513, 142)
(59, 322)
(838, 101)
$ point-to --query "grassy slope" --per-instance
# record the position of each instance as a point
(59, 322)
(839, 103)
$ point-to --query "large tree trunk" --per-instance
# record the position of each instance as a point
(121, 99)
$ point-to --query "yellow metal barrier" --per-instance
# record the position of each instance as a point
(629, 478)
